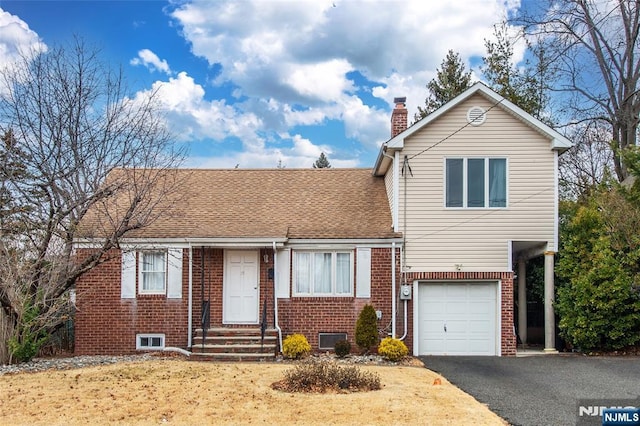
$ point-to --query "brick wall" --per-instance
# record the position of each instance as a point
(313, 315)
(107, 324)
(507, 336)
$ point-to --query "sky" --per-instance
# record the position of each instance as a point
(262, 83)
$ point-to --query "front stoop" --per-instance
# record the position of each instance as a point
(234, 344)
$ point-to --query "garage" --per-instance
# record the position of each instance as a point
(457, 318)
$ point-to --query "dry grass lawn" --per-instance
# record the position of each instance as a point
(169, 391)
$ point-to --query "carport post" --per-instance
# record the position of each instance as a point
(522, 300)
(549, 317)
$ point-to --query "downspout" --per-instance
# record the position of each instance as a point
(275, 297)
(394, 163)
(393, 290)
(190, 298)
(406, 302)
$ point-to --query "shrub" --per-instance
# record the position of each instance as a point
(367, 328)
(295, 346)
(393, 349)
(599, 266)
(26, 343)
(326, 376)
(342, 348)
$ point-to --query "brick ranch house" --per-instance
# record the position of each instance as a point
(429, 236)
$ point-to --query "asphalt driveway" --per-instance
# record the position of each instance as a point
(544, 390)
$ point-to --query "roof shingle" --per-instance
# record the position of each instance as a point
(294, 203)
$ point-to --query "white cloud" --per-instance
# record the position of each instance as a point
(150, 60)
(299, 54)
(191, 117)
(15, 38)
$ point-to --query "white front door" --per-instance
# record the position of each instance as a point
(240, 287)
(457, 318)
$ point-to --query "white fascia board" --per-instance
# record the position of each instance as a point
(558, 141)
(186, 242)
(331, 244)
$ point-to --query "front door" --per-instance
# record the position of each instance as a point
(240, 287)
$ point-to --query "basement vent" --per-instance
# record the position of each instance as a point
(476, 116)
(328, 340)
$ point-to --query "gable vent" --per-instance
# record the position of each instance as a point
(476, 116)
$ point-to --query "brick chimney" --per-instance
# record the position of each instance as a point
(399, 116)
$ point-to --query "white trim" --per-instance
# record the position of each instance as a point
(140, 336)
(141, 271)
(499, 317)
(555, 203)
(510, 255)
(145, 243)
(334, 257)
(340, 244)
(558, 141)
(465, 183)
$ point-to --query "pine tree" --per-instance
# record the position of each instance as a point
(322, 162)
(451, 80)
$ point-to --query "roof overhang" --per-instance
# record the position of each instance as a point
(219, 242)
(558, 142)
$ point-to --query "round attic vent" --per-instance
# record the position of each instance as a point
(476, 116)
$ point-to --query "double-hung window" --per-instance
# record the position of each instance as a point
(476, 182)
(323, 273)
(153, 272)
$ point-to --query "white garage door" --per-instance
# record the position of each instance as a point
(457, 318)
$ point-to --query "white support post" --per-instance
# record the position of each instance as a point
(549, 316)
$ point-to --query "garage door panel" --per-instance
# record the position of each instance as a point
(457, 318)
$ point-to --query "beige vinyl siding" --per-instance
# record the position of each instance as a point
(388, 183)
(447, 239)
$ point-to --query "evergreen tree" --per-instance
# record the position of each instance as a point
(322, 162)
(367, 328)
(526, 86)
(451, 80)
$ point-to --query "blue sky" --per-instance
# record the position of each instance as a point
(260, 82)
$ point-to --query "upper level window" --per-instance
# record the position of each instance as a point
(476, 182)
(153, 271)
(323, 273)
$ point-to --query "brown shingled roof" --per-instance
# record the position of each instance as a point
(293, 203)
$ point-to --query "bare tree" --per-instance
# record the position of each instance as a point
(597, 48)
(588, 163)
(82, 144)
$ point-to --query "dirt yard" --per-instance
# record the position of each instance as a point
(187, 392)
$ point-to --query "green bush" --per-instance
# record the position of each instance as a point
(342, 348)
(27, 343)
(296, 346)
(326, 376)
(367, 328)
(597, 298)
(392, 349)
